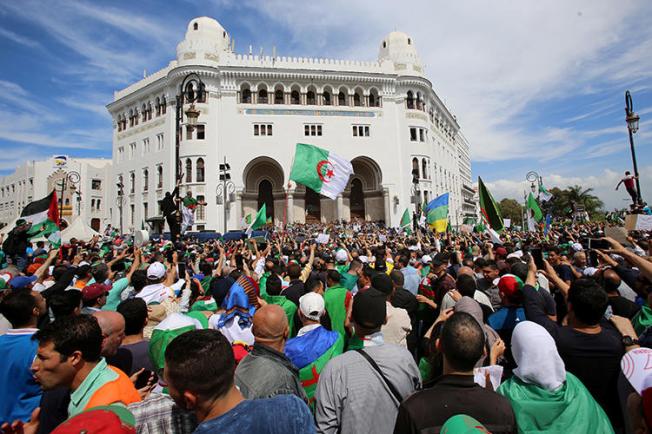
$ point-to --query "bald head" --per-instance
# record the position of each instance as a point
(270, 324)
(113, 331)
(465, 271)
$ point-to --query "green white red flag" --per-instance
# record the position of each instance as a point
(321, 170)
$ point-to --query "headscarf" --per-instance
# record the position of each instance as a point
(536, 355)
(174, 325)
(240, 301)
(472, 307)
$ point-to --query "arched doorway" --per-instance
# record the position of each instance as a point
(313, 206)
(266, 196)
(95, 224)
(357, 200)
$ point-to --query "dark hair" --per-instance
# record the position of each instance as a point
(462, 341)
(64, 303)
(294, 271)
(100, 272)
(403, 260)
(312, 284)
(519, 270)
(202, 362)
(490, 263)
(333, 275)
(73, 333)
(139, 280)
(205, 268)
(134, 310)
(397, 278)
(18, 306)
(554, 249)
(274, 285)
(466, 285)
(588, 299)
(58, 272)
(480, 262)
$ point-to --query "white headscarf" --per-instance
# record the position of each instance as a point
(536, 355)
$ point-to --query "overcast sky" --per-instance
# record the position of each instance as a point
(535, 85)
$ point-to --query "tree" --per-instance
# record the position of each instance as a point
(562, 202)
(511, 209)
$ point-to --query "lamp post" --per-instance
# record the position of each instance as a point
(416, 197)
(632, 126)
(225, 189)
(191, 90)
(71, 178)
(119, 201)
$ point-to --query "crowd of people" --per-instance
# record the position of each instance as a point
(338, 328)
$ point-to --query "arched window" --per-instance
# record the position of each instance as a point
(310, 98)
(341, 98)
(279, 96)
(149, 111)
(98, 204)
(419, 101)
(159, 182)
(424, 168)
(158, 106)
(295, 97)
(188, 170)
(410, 100)
(409, 41)
(262, 96)
(200, 170)
(92, 203)
(326, 97)
(164, 105)
(415, 168)
(373, 98)
(195, 26)
(245, 95)
(143, 111)
(132, 182)
(145, 180)
(131, 118)
(357, 99)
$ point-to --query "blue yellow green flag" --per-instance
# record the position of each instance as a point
(437, 213)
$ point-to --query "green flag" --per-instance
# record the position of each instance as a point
(320, 170)
(489, 207)
(248, 219)
(259, 220)
(406, 222)
(533, 208)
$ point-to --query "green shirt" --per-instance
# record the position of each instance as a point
(348, 280)
(189, 201)
(113, 299)
(98, 377)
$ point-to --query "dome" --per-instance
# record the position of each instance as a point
(398, 47)
(204, 41)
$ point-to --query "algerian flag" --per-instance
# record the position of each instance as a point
(320, 170)
(259, 221)
(406, 222)
(43, 214)
(544, 195)
(172, 326)
(309, 375)
(489, 208)
(533, 212)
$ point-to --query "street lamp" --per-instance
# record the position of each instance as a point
(120, 201)
(225, 190)
(191, 90)
(71, 178)
(632, 126)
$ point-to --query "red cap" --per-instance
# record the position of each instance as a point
(95, 290)
(510, 286)
(501, 251)
(98, 421)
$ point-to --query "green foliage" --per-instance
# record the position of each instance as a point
(511, 209)
(561, 204)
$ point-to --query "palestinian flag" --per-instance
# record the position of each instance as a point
(320, 170)
(259, 221)
(309, 374)
(489, 208)
(43, 214)
(406, 222)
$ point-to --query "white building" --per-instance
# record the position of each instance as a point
(87, 197)
(383, 115)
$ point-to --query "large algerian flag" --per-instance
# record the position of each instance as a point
(43, 214)
(320, 170)
(438, 213)
(309, 375)
(406, 222)
(259, 221)
(534, 213)
(489, 207)
(544, 195)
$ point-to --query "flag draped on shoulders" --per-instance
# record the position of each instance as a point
(489, 208)
(43, 214)
(321, 170)
(437, 213)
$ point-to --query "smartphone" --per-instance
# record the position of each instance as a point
(597, 243)
(143, 379)
(239, 262)
(537, 255)
(181, 270)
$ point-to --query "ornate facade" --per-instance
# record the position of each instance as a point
(384, 116)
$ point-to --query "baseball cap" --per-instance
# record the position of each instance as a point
(382, 282)
(501, 251)
(21, 222)
(155, 271)
(510, 285)
(426, 259)
(20, 282)
(577, 247)
(94, 290)
(369, 308)
(341, 256)
(110, 419)
(312, 305)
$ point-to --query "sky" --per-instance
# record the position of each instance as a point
(534, 85)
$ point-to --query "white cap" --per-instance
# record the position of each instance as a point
(426, 259)
(363, 259)
(82, 263)
(312, 305)
(155, 271)
(517, 254)
(341, 256)
(590, 271)
(577, 247)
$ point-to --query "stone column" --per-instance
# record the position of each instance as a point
(340, 206)
(290, 206)
(236, 211)
(388, 217)
(254, 97)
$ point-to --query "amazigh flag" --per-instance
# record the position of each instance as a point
(544, 195)
(438, 213)
(309, 374)
(320, 170)
(259, 220)
(489, 208)
(43, 214)
(406, 222)
(533, 212)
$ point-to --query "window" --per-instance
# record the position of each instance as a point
(295, 97)
(121, 153)
(262, 129)
(310, 98)
(159, 182)
(98, 204)
(357, 99)
(415, 168)
(341, 98)
(163, 105)
(360, 130)
(200, 210)
(200, 170)
(96, 184)
(422, 134)
(410, 100)
(312, 130)
(159, 142)
(132, 151)
(262, 96)
(189, 129)
(326, 97)
(158, 106)
(195, 26)
(132, 209)
(92, 204)
(413, 134)
(245, 96)
(145, 210)
(201, 132)
(424, 168)
(279, 96)
(146, 147)
(132, 182)
(145, 180)
(188, 170)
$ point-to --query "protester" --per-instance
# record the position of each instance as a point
(398, 326)
(337, 300)
(134, 312)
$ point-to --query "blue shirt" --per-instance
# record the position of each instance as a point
(506, 318)
(411, 279)
(19, 393)
(282, 414)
